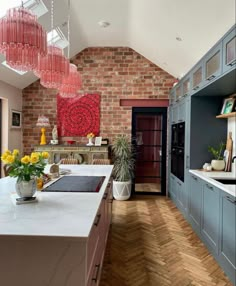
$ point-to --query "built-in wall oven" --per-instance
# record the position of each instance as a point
(177, 150)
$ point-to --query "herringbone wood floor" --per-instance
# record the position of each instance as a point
(151, 244)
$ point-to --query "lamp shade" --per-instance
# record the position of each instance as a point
(22, 39)
(71, 83)
(43, 121)
(52, 68)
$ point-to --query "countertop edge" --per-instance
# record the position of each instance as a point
(208, 177)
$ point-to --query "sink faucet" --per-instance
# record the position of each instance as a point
(233, 159)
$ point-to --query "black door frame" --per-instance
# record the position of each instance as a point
(153, 111)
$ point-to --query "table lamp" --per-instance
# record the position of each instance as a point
(43, 122)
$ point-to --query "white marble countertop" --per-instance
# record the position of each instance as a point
(55, 214)
(208, 177)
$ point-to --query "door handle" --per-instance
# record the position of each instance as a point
(97, 272)
(211, 77)
(230, 200)
(209, 187)
(98, 219)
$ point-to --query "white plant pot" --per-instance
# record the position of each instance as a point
(218, 165)
(121, 190)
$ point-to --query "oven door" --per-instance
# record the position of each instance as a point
(174, 135)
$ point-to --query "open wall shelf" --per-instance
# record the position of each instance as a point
(232, 114)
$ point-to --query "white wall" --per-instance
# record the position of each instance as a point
(232, 128)
(11, 99)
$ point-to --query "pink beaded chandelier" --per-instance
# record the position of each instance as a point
(22, 39)
(54, 66)
(72, 83)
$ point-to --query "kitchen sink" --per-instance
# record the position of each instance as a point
(226, 181)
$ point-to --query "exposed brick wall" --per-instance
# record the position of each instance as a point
(114, 73)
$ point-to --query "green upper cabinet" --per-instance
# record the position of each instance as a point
(186, 88)
(178, 91)
(213, 64)
(229, 50)
(219, 63)
(197, 76)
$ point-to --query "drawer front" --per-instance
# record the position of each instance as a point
(92, 246)
(99, 149)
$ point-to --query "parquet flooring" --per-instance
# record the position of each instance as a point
(148, 187)
(151, 244)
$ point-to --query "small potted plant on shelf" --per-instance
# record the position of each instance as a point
(218, 162)
(123, 170)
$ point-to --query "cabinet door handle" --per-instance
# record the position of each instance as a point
(97, 272)
(209, 187)
(98, 219)
(211, 77)
(194, 178)
(179, 183)
(230, 200)
(187, 162)
(232, 63)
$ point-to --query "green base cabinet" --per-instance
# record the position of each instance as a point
(210, 216)
(195, 203)
(227, 253)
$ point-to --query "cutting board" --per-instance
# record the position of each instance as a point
(229, 148)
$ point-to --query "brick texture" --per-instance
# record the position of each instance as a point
(115, 73)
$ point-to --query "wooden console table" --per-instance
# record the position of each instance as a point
(85, 154)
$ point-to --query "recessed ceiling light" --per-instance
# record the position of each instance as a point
(103, 24)
(179, 39)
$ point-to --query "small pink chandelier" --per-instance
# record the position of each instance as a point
(71, 83)
(52, 68)
(22, 39)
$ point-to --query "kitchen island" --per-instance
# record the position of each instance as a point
(58, 241)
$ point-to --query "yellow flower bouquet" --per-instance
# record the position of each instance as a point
(90, 135)
(26, 167)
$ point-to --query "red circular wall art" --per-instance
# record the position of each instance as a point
(78, 116)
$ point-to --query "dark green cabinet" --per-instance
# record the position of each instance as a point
(229, 50)
(227, 251)
(195, 202)
(213, 63)
(178, 112)
(173, 187)
(210, 216)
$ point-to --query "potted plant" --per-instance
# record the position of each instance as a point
(123, 170)
(26, 169)
(218, 162)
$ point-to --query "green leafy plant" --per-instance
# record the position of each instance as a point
(218, 151)
(124, 161)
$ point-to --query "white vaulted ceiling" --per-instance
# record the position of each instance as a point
(150, 27)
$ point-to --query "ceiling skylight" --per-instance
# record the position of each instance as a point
(36, 6)
(6, 65)
(57, 38)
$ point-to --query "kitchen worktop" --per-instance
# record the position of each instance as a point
(208, 177)
(56, 214)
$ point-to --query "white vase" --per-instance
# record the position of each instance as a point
(121, 190)
(90, 143)
(26, 189)
(218, 165)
